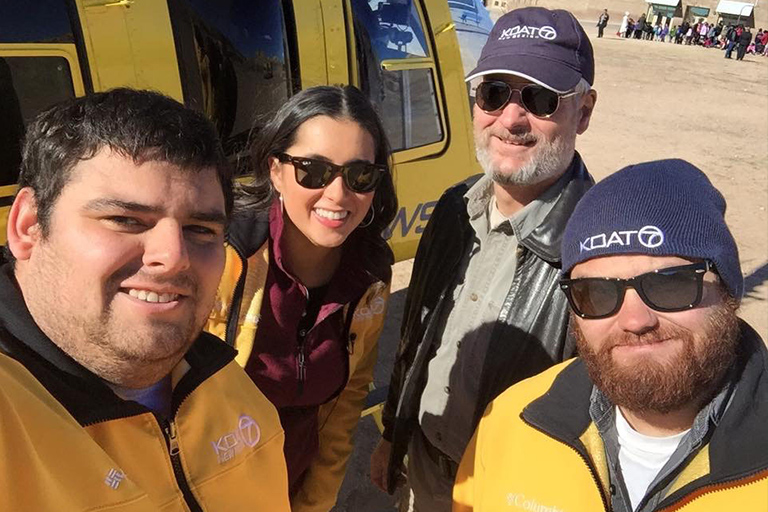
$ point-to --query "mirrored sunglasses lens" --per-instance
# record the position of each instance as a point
(312, 174)
(594, 297)
(674, 290)
(539, 101)
(362, 177)
(492, 96)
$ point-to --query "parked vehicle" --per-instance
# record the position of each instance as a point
(238, 60)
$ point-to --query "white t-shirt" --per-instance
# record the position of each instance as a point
(642, 457)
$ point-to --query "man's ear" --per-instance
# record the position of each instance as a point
(23, 230)
(588, 102)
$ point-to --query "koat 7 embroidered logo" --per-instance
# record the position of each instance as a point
(526, 31)
(247, 434)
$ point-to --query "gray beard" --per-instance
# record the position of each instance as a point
(549, 161)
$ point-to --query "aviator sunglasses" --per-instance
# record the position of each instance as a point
(667, 289)
(311, 173)
(493, 96)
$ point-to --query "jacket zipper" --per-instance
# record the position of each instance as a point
(711, 489)
(301, 367)
(301, 355)
(169, 429)
(595, 479)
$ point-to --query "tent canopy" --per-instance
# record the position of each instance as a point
(734, 8)
(669, 3)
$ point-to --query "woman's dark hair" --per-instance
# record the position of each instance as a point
(340, 103)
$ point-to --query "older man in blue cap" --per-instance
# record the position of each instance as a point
(483, 308)
(667, 405)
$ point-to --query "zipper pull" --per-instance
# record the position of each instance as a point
(302, 374)
(173, 442)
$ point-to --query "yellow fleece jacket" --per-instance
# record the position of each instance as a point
(230, 451)
(337, 419)
(511, 465)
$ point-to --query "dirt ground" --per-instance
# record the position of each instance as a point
(655, 101)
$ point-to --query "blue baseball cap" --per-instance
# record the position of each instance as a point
(547, 47)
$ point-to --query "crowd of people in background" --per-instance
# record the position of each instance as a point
(728, 37)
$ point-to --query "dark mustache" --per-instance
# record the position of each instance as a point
(516, 136)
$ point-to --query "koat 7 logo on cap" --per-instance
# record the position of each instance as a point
(518, 31)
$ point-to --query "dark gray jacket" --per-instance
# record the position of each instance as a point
(530, 334)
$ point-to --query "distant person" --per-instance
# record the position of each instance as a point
(745, 38)
(689, 35)
(703, 31)
(602, 22)
(695, 33)
(630, 28)
(732, 38)
(624, 25)
(666, 407)
(757, 46)
(640, 27)
(711, 36)
(648, 31)
(664, 33)
(111, 396)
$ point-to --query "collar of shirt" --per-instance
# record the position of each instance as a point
(156, 397)
(485, 216)
(603, 414)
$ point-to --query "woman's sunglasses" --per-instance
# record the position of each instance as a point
(668, 289)
(359, 177)
(539, 101)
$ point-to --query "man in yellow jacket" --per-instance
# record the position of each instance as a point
(111, 397)
(666, 408)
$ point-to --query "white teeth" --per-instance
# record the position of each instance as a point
(331, 215)
(152, 296)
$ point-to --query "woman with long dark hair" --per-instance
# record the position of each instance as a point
(307, 278)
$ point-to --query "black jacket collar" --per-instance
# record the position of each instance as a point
(545, 240)
(87, 397)
(247, 232)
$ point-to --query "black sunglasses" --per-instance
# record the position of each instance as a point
(667, 289)
(312, 173)
(493, 96)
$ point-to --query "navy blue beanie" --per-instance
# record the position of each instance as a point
(661, 208)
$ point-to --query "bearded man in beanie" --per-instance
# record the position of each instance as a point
(667, 405)
(483, 309)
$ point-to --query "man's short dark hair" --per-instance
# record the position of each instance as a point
(141, 125)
